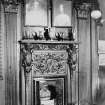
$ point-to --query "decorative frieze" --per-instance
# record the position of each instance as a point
(53, 47)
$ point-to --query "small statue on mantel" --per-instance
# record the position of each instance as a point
(46, 34)
(70, 34)
(59, 36)
(35, 36)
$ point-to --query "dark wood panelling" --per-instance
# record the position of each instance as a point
(11, 29)
(84, 55)
(88, 59)
(1, 42)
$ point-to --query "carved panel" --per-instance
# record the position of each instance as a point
(50, 63)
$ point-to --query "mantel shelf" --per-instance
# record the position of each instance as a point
(48, 42)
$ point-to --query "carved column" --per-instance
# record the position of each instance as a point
(85, 52)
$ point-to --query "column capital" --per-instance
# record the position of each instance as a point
(10, 6)
(83, 10)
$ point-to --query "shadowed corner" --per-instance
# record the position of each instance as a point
(1, 77)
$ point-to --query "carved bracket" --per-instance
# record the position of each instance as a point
(26, 56)
(72, 58)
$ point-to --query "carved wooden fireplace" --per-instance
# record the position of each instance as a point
(48, 54)
(47, 69)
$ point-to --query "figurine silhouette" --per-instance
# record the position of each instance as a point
(35, 36)
(70, 35)
(46, 34)
(58, 36)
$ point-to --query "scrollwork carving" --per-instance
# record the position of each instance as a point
(49, 63)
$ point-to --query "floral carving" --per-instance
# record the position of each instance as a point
(49, 63)
(49, 47)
